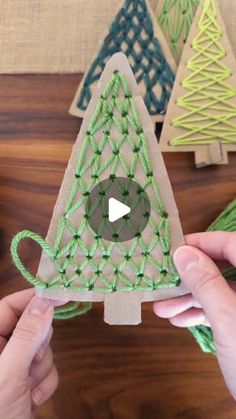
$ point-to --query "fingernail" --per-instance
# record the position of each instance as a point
(39, 306)
(185, 259)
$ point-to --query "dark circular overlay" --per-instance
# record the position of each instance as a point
(127, 192)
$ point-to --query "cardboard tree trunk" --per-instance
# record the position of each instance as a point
(175, 18)
(201, 116)
(136, 33)
(116, 140)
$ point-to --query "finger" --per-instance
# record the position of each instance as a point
(43, 348)
(11, 308)
(3, 342)
(170, 308)
(204, 280)
(57, 303)
(46, 388)
(190, 318)
(40, 370)
(219, 245)
(232, 285)
(29, 334)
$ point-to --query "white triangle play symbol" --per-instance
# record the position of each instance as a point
(117, 210)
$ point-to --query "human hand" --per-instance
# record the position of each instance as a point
(28, 376)
(212, 301)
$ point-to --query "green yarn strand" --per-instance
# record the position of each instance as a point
(17, 261)
(204, 337)
(71, 310)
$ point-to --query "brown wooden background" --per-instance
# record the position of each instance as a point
(153, 371)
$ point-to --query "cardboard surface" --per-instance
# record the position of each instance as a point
(204, 154)
(74, 110)
(46, 268)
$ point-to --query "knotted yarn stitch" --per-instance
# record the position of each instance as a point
(132, 33)
(176, 18)
(211, 113)
(225, 222)
(81, 265)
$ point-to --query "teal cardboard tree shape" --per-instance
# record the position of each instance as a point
(202, 113)
(116, 140)
(175, 18)
(136, 33)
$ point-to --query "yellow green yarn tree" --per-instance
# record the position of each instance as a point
(205, 88)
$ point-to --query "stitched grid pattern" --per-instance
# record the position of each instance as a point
(210, 109)
(175, 18)
(132, 33)
(83, 260)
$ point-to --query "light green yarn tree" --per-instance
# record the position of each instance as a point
(175, 18)
(113, 144)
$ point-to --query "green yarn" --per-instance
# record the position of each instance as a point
(71, 310)
(83, 266)
(225, 222)
(132, 33)
(175, 19)
(210, 100)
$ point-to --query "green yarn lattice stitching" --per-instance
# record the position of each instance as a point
(115, 111)
(175, 19)
(132, 33)
(225, 222)
(210, 109)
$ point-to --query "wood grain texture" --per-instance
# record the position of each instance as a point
(145, 372)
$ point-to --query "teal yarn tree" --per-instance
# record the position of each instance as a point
(225, 222)
(136, 33)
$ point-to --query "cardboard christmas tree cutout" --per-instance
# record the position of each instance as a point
(175, 18)
(202, 112)
(136, 33)
(116, 144)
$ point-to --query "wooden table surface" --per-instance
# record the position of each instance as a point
(152, 371)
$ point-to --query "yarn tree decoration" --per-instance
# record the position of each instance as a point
(135, 32)
(175, 18)
(116, 140)
(202, 113)
(225, 222)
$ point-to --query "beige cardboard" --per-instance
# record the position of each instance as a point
(74, 110)
(46, 269)
(204, 155)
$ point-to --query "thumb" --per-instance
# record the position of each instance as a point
(28, 336)
(203, 278)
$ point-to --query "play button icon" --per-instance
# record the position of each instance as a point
(117, 209)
